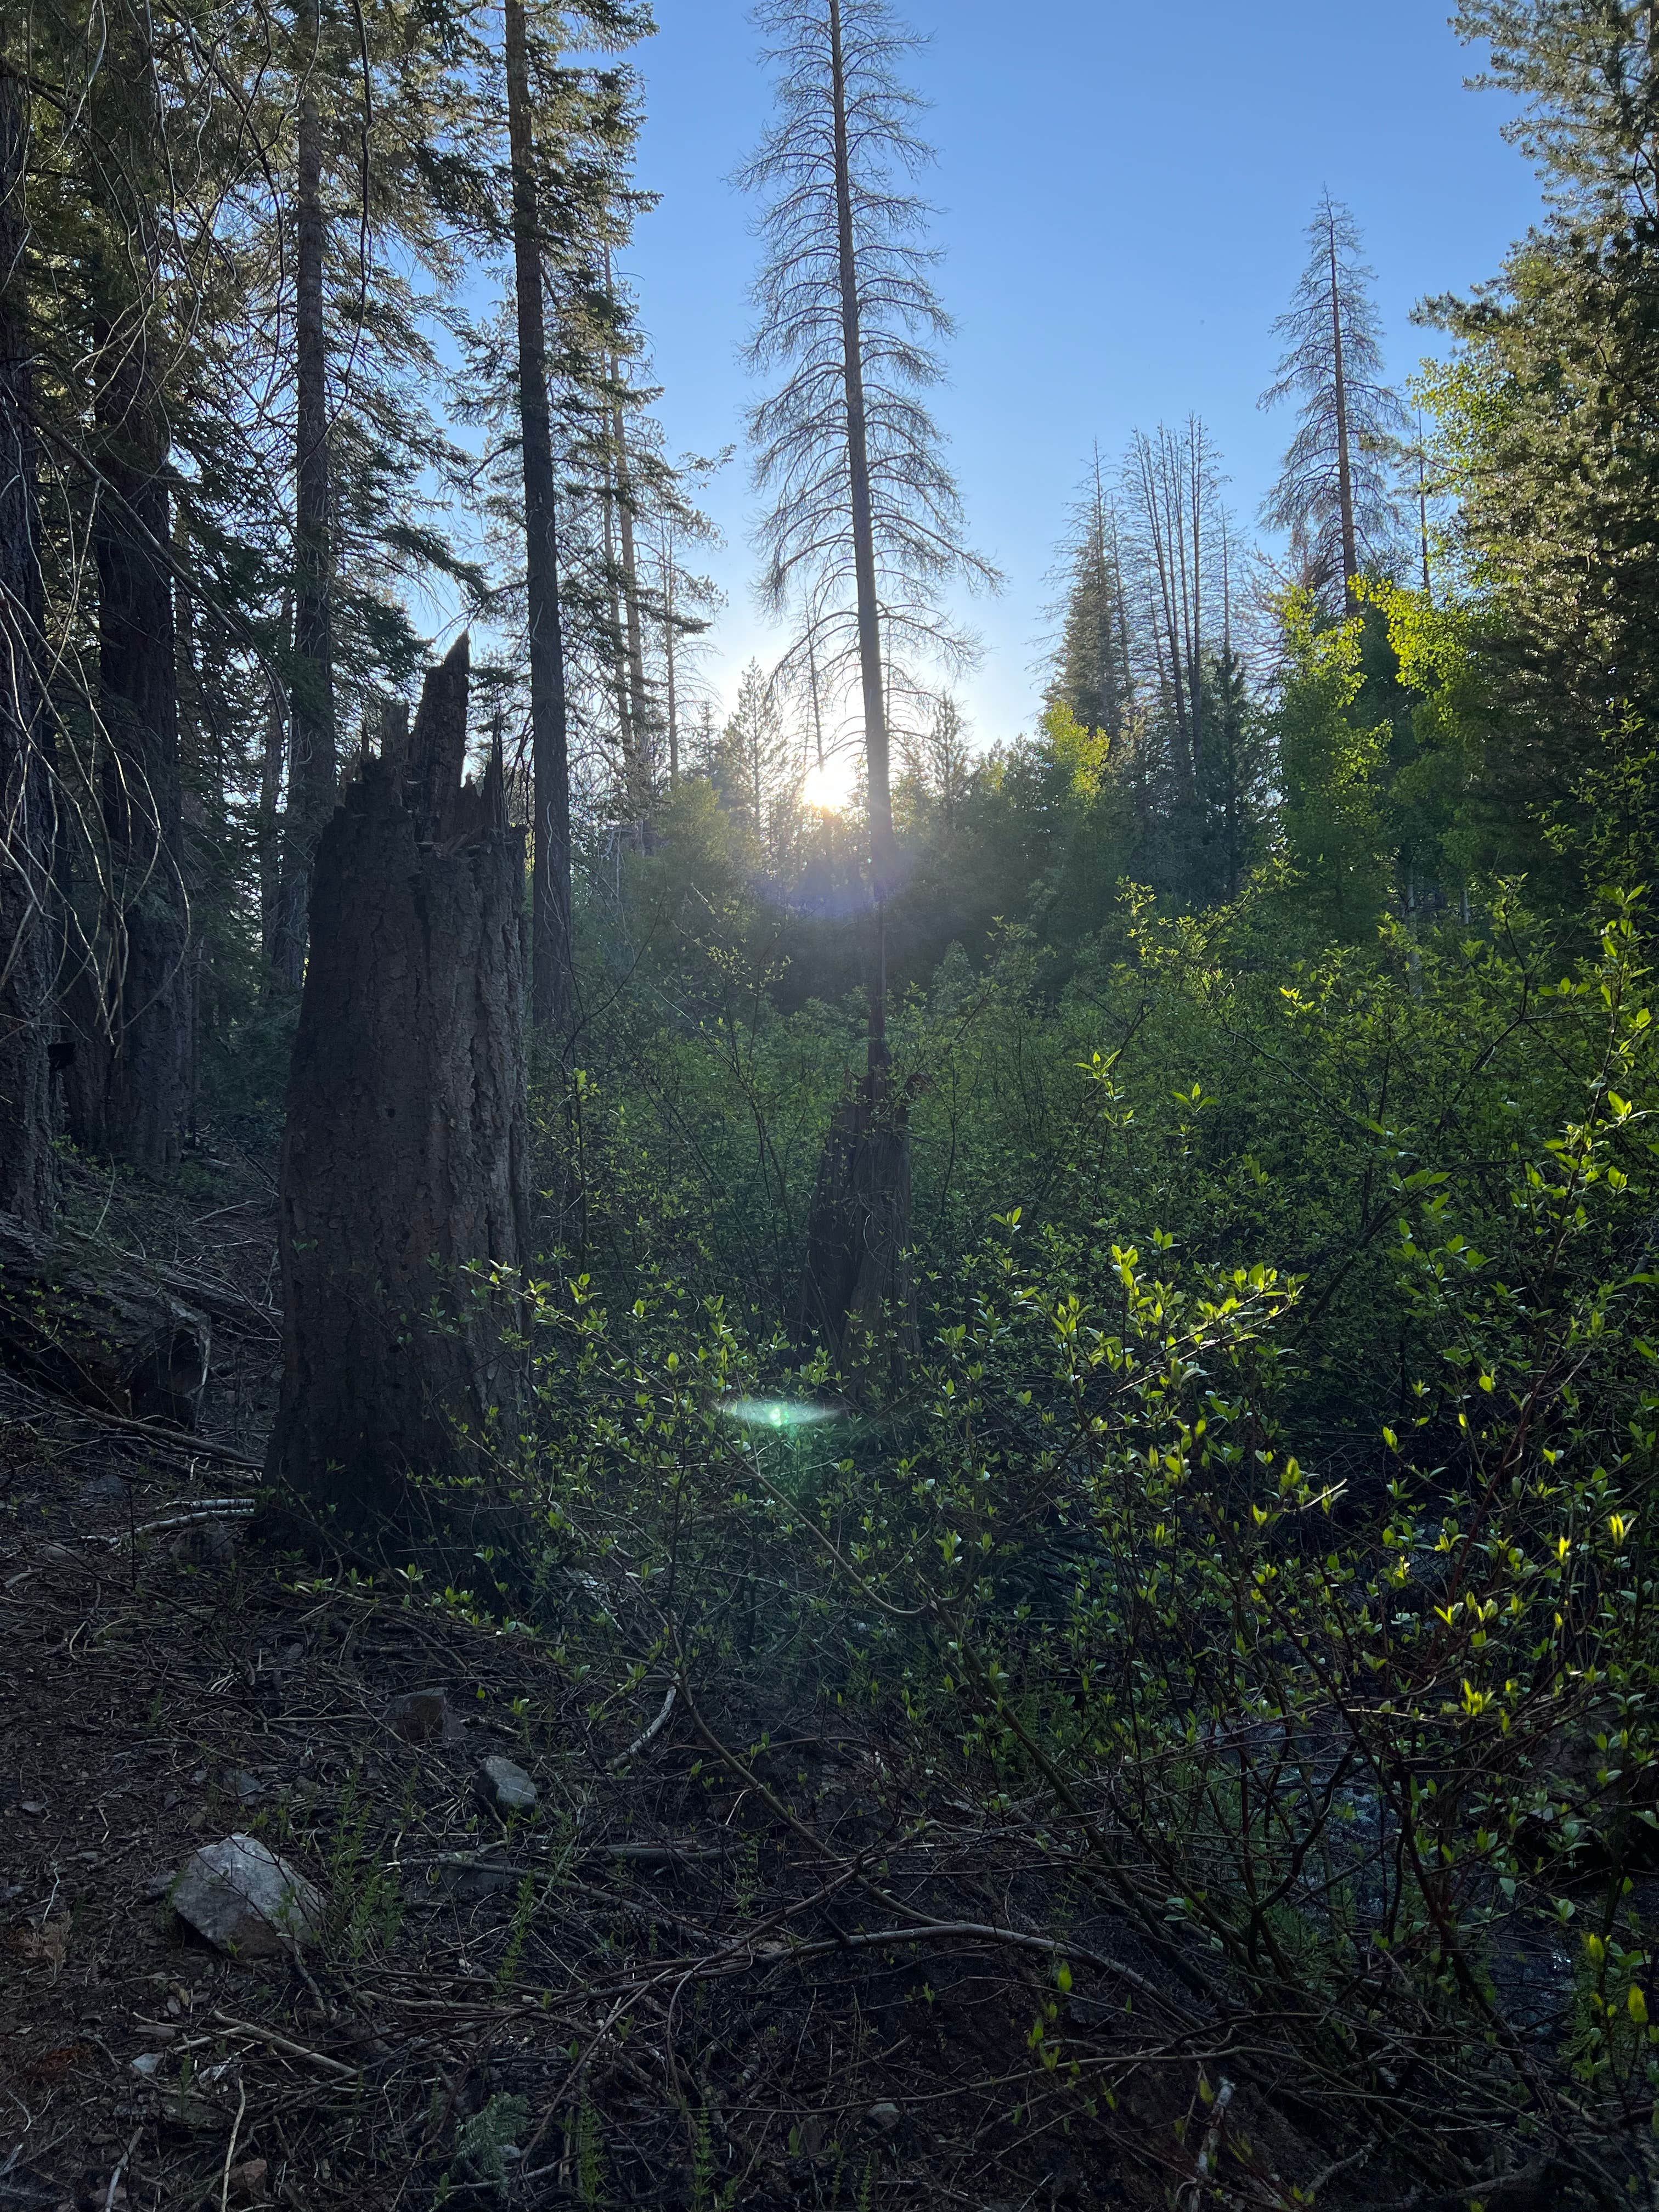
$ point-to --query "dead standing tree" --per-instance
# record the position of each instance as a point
(403, 1161)
(1335, 492)
(865, 524)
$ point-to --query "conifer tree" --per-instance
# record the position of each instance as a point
(756, 766)
(1333, 493)
(865, 526)
(1090, 672)
(865, 529)
(1587, 72)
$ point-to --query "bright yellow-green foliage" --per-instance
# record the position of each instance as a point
(1080, 755)
(1334, 769)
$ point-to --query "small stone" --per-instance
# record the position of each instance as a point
(886, 2117)
(247, 1901)
(206, 1543)
(247, 2181)
(103, 1490)
(148, 2064)
(419, 1716)
(32, 1807)
(245, 1787)
(160, 1885)
(505, 1787)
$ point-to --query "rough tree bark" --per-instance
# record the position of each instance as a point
(130, 1082)
(554, 996)
(858, 1294)
(313, 757)
(883, 856)
(638, 765)
(1344, 454)
(403, 1161)
(27, 1186)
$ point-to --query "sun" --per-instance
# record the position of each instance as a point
(828, 786)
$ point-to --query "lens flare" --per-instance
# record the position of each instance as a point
(777, 1412)
(829, 785)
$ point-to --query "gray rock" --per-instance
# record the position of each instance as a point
(885, 2116)
(506, 1788)
(247, 1901)
(419, 1716)
(207, 1544)
(103, 1490)
(148, 2064)
(245, 1787)
(468, 1880)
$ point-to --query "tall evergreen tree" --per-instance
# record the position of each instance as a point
(1333, 493)
(1090, 672)
(1587, 75)
(865, 526)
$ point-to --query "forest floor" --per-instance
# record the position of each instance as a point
(659, 1988)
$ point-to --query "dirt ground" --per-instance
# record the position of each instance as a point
(708, 1974)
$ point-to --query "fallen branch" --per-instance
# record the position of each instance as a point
(281, 2043)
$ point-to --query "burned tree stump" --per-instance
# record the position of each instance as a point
(858, 1294)
(403, 1161)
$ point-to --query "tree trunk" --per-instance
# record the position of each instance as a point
(639, 764)
(136, 1045)
(27, 1184)
(553, 973)
(313, 762)
(670, 691)
(1344, 456)
(268, 820)
(882, 855)
(858, 1294)
(404, 1163)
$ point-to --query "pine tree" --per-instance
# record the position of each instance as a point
(756, 766)
(865, 524)
(1090, 672)
(1333, 493)
(865, 528)
(1588, 73)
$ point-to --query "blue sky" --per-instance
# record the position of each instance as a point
(1122, 189)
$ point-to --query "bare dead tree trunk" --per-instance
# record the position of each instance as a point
(268, 820)
(27, 1182)
(639, 761)
(670, 693)
(552, 966)
(614, 638)
(312, 760)
(1344, 454)
(404, 1163)
(882, 853)
(858, 1292)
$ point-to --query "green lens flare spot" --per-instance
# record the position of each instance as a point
(775, 1413)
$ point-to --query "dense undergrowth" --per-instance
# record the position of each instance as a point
(1261, 1540)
